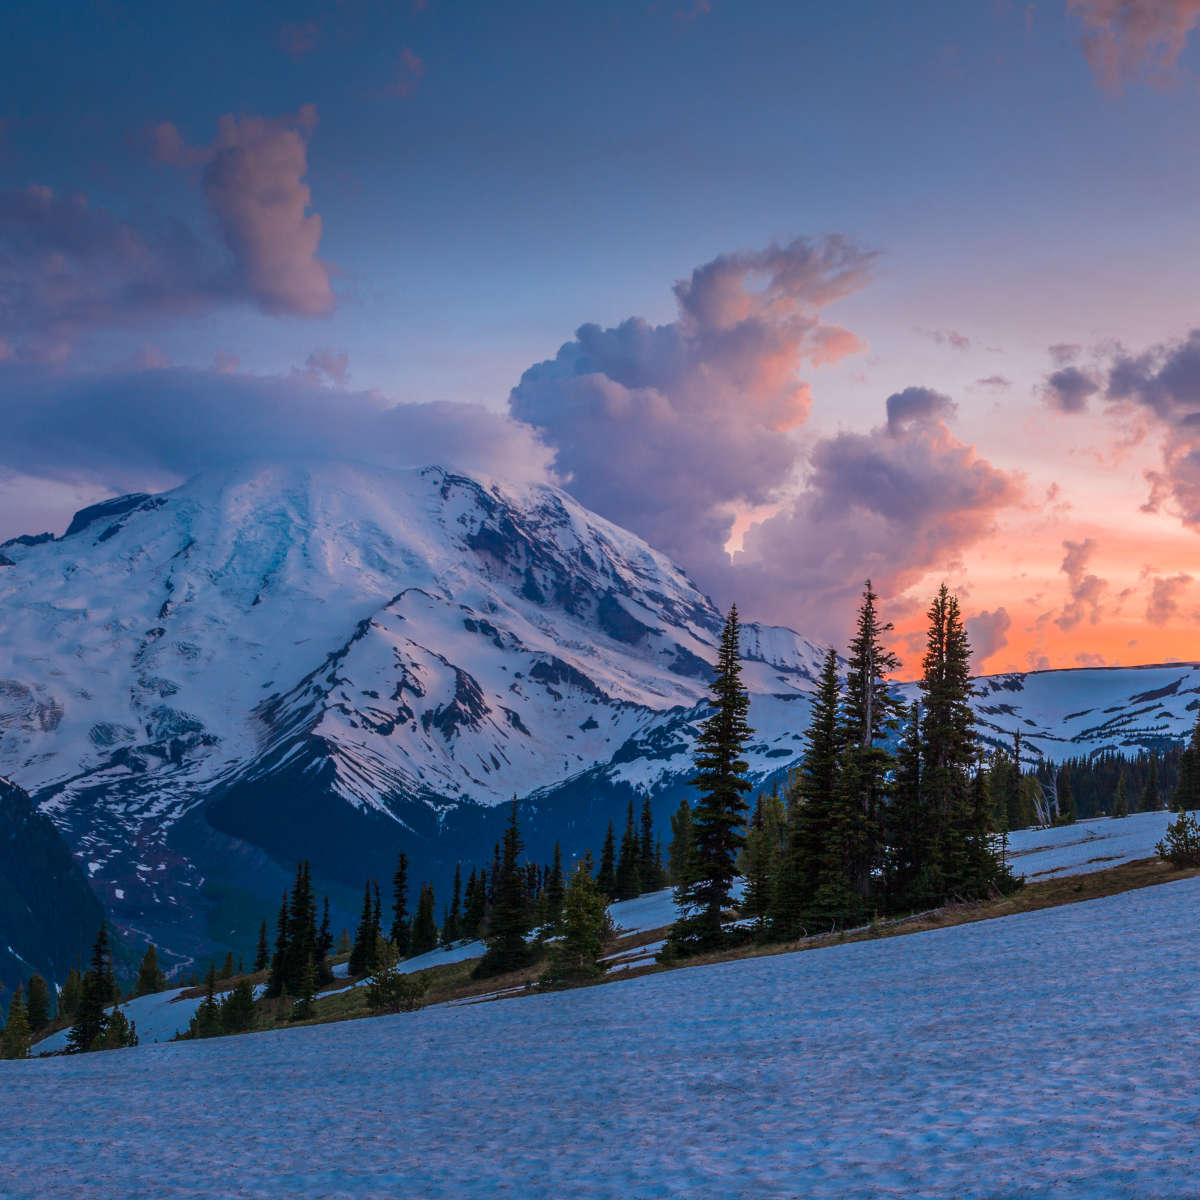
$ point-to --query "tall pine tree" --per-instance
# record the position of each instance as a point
(720, 811)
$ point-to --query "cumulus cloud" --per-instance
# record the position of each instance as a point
(891, 504)
(665, 428)
(146, 430)
(253, 180)
(1069, 388)
(1086, 590)
(917, 405)
(988, 633)
(1165, 596)
(1126, 38)
(1163, 383)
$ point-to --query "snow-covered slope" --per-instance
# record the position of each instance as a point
(1049, 1054)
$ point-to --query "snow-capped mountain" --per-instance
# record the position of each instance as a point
(329, 660)
(335, 662)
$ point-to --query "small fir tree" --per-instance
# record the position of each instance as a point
(555, 891)
(627, 883)
(586, 926)
(97, 991)
(401, 929)
(452, 927)
(606, 876)
(150, 977)
(1120, 800)
(17, 1036)
(681, 851)
(424, 929)
(262, 955)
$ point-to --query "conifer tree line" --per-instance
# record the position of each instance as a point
(859, 829)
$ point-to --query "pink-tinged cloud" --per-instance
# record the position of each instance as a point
(917, 405)
(1124, 39)
(891, 505)
(410, 70)
(297, 40)
(999, 383)
(1086, 590)
(1165, 596)
(253, 179)
(666, 428)
(948, 337)
(988, 634)
(1163, 384)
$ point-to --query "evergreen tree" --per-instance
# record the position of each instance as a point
(68, 999)
(206, 1020)
(390, 990)
(649, 866)
(17, 1035)
(1066, 801)
(360, 953)
(761, 859)
(119, 1031)
(96, 992)
(150, 977)
(721, 810)
(811, 818)
(304, 1009)
(452, 927)
(324, 947)
(37, 1004)
(262, 956)
(424, 931)
(681, 851)
(237, 1008)
(507, 949)
(869, 717)
(227, 968)
(277, 982)
(1120, 801)
(575, 957)
(627, 883)
(401, 930)
(555, 890)
(475, 907)
(1187, 790)
(1151, 800)
(606, 877)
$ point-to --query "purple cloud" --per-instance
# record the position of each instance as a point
(665, 428)
(1069, 389)
(1165, 596)
(988, 633)
(917, 405)
(1086, 590)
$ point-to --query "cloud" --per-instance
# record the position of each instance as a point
(297, 40)
(1086, 590)
(947, 337)
(145, 430)
(891, 505)
(1065, 353)
(666, 428)
(1087, 659)
(999, 382)
(253, 180)
(67, 266)
(917, 405)
(1163, 383)
(324, 364)
(1068, 389)
(410, 70)
(988, 633)
(1124, 39)
(1165, 595)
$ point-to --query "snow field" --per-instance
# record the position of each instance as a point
(1086, 846)
(1048, 1055)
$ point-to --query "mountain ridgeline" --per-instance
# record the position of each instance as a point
(338, 663)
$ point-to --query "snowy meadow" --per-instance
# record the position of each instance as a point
(1050, 1054)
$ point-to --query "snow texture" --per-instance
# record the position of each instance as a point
(1086, 846)
(1045, 1056)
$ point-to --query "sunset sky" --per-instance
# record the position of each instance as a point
(800, 293)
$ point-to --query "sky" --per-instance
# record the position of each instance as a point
(802, 294)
